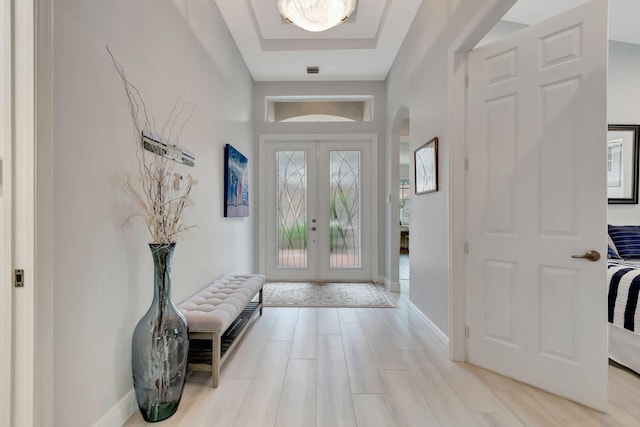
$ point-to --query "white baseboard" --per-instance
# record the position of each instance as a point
(389, 285)
(441, 335)
(120, 413)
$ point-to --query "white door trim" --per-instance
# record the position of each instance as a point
(23, 200)
(26, 135)
(477, 28)
(6, 252)
(263, 139)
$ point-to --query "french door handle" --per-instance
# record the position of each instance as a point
(591, 255)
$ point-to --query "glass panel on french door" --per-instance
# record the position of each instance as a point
(291, 209)
(344, 209)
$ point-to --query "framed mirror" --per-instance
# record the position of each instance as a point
(622, 164)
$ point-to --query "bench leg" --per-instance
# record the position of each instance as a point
(215, 359)
(260, 301)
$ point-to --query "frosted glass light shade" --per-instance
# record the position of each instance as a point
(316, 15)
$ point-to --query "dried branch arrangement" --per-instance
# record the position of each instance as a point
(157, 202)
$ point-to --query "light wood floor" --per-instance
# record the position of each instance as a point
(373, 367)
(403, 267)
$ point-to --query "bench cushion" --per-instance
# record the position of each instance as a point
(215, 307)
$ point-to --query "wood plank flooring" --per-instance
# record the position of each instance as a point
(306, 367)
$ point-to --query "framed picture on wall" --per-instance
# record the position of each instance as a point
(425, 163)
(622, 164)
(236, 183)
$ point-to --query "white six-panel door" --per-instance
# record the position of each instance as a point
(536, 196)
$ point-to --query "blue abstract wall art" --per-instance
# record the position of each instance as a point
(236, 183)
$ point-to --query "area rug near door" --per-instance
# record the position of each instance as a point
(279, 294)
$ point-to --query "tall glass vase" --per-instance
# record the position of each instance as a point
(160, 345)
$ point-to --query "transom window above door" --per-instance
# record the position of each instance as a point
(319, 109)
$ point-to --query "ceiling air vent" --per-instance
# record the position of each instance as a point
(313, 70)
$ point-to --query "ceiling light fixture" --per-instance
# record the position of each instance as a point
(316, 15)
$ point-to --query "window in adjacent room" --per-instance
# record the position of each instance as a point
(404, 201)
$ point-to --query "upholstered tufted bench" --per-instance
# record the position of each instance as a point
(218, 316)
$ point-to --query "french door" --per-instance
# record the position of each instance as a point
(318, 210)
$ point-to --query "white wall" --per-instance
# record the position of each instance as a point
(624, 109)
(103, 270)
(418, 80)
(501, 29)
(396, 144)
(377, 125)
(405, 172)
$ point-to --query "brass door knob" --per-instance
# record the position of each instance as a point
(591, 255)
